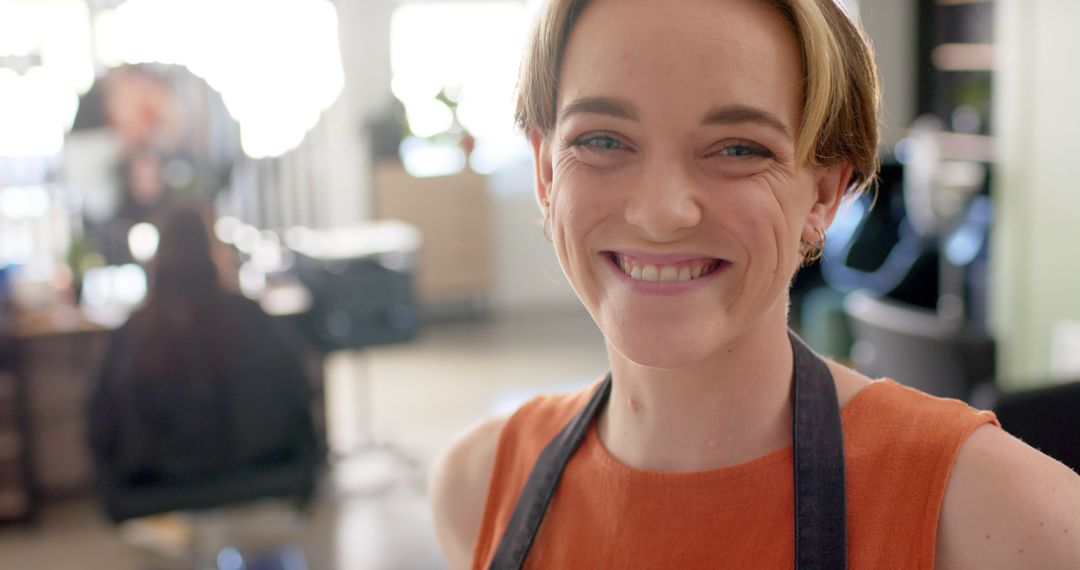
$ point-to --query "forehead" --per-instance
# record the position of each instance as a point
(684, 57)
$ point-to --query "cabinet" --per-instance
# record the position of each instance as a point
(16, 492)
(453, 214)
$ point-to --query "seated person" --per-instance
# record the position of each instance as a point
(197, 385)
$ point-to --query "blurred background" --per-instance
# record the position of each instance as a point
(355, 165)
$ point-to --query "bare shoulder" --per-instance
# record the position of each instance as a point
(848, 381)
(458, 489)
(1008, 506)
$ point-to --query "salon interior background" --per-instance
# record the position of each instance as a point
(301, 117)
(308, 110)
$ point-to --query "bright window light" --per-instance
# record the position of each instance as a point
(276, 63)
(471, 52)
(55, 31)
(51, 39)
(36, 110)
(423, 158)
(430, 117)
(123, 285)
(24, 202)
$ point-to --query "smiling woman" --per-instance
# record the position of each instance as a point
(689, 157)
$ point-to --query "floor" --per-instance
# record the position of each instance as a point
(371, 512)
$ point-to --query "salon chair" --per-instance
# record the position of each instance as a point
(125, 500)
(1047, 419)
(361, 283)
(252, 513)
(917, 347)
(205, 457)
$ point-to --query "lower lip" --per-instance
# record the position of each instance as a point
(664, 287)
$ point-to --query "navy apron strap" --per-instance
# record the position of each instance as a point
(540, 486)
(820, 510)
(820, 495)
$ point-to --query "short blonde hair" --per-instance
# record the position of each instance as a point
(841, 97)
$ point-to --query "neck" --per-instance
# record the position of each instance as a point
(728, 408)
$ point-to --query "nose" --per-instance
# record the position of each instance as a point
(665, 201)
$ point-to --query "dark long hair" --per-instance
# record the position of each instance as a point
(180, 336)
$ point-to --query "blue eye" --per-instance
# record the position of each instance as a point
(599, 142)
(744, 150)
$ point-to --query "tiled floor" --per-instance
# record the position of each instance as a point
(422, 393)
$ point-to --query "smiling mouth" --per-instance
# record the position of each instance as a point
(681, 271)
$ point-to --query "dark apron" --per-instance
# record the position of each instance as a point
(820, 512)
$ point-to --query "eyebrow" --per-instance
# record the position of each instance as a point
(732, 114)
(600, 106)
(724, 115)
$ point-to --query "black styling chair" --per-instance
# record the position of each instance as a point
(917, 347)
(361, 284)
(235, 440)
(244, 432)
(1045, 418)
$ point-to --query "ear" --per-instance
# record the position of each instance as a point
(831, 182)
(542, 162)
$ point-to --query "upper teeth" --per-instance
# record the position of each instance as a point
(647, 272)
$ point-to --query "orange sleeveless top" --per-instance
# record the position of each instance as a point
(899, 446)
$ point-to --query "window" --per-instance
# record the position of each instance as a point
(454, 67)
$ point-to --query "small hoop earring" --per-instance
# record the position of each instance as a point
(547, 218)
(812, 252)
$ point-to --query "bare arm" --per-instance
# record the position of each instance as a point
(459, 484)
(1008, 506)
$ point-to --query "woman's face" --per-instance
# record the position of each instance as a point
(676, 202)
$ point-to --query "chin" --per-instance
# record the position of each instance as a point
(666, 352)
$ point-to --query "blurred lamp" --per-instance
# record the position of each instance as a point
(225, 229)
(143, 241)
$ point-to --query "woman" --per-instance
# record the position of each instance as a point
(198, 384)
(689, 157)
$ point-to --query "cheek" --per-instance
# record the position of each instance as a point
(583, 197)
(759, 220)
(579, 205)
(752, 212)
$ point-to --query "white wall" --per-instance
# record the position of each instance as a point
(364, 31)
(527, 273)
(1036, 256)
(893, 29)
